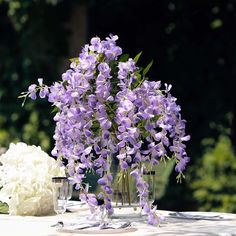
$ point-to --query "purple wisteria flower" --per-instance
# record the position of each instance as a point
(106, 110)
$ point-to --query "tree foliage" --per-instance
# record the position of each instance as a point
(214, 187)
(30, 47)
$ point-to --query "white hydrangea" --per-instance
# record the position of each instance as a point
(25, 178)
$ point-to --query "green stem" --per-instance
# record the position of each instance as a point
(128, 188)
(123, 188)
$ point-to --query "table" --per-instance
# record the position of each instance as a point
(197, 224)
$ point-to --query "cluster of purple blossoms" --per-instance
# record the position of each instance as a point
(107, 110)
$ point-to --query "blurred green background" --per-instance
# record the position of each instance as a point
(193, 45)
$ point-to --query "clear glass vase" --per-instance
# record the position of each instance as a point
(125, 197)
(149, 177)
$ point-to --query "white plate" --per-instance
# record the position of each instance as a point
(97, 231)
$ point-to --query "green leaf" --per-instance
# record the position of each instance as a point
(139, 69)
(137, 57)
(3, 208)
(76, 59)
(139, 77)
(155, 118)
(145, 71)
(95, 127)
(138, 81)
(124, 58)
(55, 110)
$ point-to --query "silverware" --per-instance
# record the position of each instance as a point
(88, 226)
(125, 225)
(182, 215)
(59, 224)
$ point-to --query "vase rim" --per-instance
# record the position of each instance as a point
(58, 178)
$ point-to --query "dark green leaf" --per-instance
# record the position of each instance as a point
(124, 58)
(145, 71)
(55, 110)
(95, 127)
(155, 118)
(137, 57)
(139, 77)
(138, 81)
(139, 70)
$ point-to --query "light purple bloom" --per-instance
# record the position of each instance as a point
(96, 45)
(102, 181)
(186, 138)
(32, 91)
(104, 69)
(103, 114)
(124, 165)
(153, 219)
(43, 92)
(126, 68)
(182, 164)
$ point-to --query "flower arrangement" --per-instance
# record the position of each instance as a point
(25, 180)
(106, 109)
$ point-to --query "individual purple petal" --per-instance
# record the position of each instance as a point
(134, 173)
(186, 138)
(83, 197)
(43, 92)
(87, 150)
(108, 189)
(121, 128)
(99, 171)
(32, 91)
(33, 95)
(126, 122)
(109, 177)
(121, 156)
(153, 219)
(105, 124)
(32, 88)
(124, 165)
(92, 201)
(40, 81)
(137, 157)
(121, 144)
(146, 208)
(182, 164)
(102, 181)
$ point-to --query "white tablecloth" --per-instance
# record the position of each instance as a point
(41, 226)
